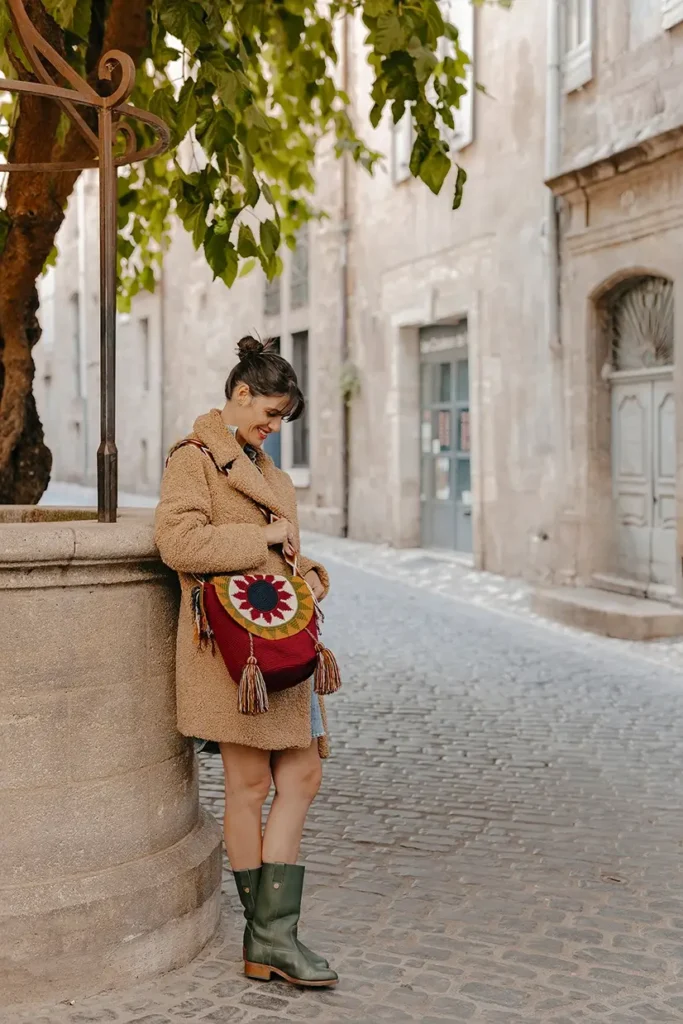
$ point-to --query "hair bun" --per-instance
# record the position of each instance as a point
(249, 346)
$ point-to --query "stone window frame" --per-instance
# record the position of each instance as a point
(289, 321)
(462, 14)
(578, 44)
(672, 13)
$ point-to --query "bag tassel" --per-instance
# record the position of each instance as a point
(327, 678)
(203, 634)
(252, 696)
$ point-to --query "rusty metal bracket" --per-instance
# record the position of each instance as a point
(114, 117)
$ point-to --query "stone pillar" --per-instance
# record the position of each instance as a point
(109, 869)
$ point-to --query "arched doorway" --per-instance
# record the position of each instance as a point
(639, 321)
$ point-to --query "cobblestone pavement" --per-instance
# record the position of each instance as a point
(500, 833)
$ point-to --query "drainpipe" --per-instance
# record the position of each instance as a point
(82, 218)
(553, 116)
(344, 285)
(162, 370)
(553, 156)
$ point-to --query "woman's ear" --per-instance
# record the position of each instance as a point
(243, 394)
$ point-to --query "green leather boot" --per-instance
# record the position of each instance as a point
(271, 945)
(247, 886)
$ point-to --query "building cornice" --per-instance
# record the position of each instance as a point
(604, 168)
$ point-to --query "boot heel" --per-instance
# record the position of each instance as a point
(260, 972)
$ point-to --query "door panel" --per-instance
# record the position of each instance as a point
(632, 476)
(446, 503)
(664, 463)
(644, 479)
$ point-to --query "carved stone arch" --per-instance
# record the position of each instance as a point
(636, 321)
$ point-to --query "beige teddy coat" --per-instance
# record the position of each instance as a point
(209, 523)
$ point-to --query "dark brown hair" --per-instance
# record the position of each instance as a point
(266, 373)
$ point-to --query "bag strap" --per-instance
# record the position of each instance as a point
(196, 443)
(225, 470)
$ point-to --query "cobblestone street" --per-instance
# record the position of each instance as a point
(500, 833)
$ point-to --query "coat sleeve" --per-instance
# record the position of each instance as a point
(184, 534)
(307, 564)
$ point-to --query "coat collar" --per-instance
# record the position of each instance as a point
(252, 479)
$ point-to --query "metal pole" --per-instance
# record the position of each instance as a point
(107, 455)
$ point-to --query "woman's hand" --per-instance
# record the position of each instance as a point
(282, 532)
(315, 584)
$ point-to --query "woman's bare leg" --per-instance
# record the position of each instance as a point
(247, 784)
(297, 775)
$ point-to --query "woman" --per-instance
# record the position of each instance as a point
(210, 521)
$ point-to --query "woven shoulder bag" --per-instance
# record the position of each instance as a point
(266, 627)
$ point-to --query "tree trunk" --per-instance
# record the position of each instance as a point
(24, 478)
(36, 205)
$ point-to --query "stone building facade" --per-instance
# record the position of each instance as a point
(479, 343)
(619, 190)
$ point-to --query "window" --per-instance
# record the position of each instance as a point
(299, 277)
(272, 299)
(461, 13)
(146, 354)
(300, 453)
(578, 44)
(672, 12)
(273, 444)
(75, 333)
(402, 138)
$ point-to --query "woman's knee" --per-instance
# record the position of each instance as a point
(248, 776)
(301, 780)
(251, 790)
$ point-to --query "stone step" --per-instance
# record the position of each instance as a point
(609, 614)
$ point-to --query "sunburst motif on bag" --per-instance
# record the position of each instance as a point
(271, 607)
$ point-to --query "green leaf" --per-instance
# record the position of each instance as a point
(5, 21)
(187, 109)
(435, 19)
(255, 118)
(425, 62)
(247, 267)
(374, 8)
(269, 236)
(82, 19)
(195, 222)
(232, 266)
(216, 131)
(246, 243)
(460, 180)
(293, 26)
(215, 250)
(434, 168)
(163, 105)
(185, 20)
(388, 35)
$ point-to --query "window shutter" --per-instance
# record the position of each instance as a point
(579, 31)
(672, 13)
(461, 13)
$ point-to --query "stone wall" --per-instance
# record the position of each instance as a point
(635, 91)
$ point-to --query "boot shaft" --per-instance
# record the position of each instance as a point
(248, 883)
(278, 904)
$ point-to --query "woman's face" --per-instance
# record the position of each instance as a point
(259, 415)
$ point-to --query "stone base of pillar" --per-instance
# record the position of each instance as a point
(109, 870)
